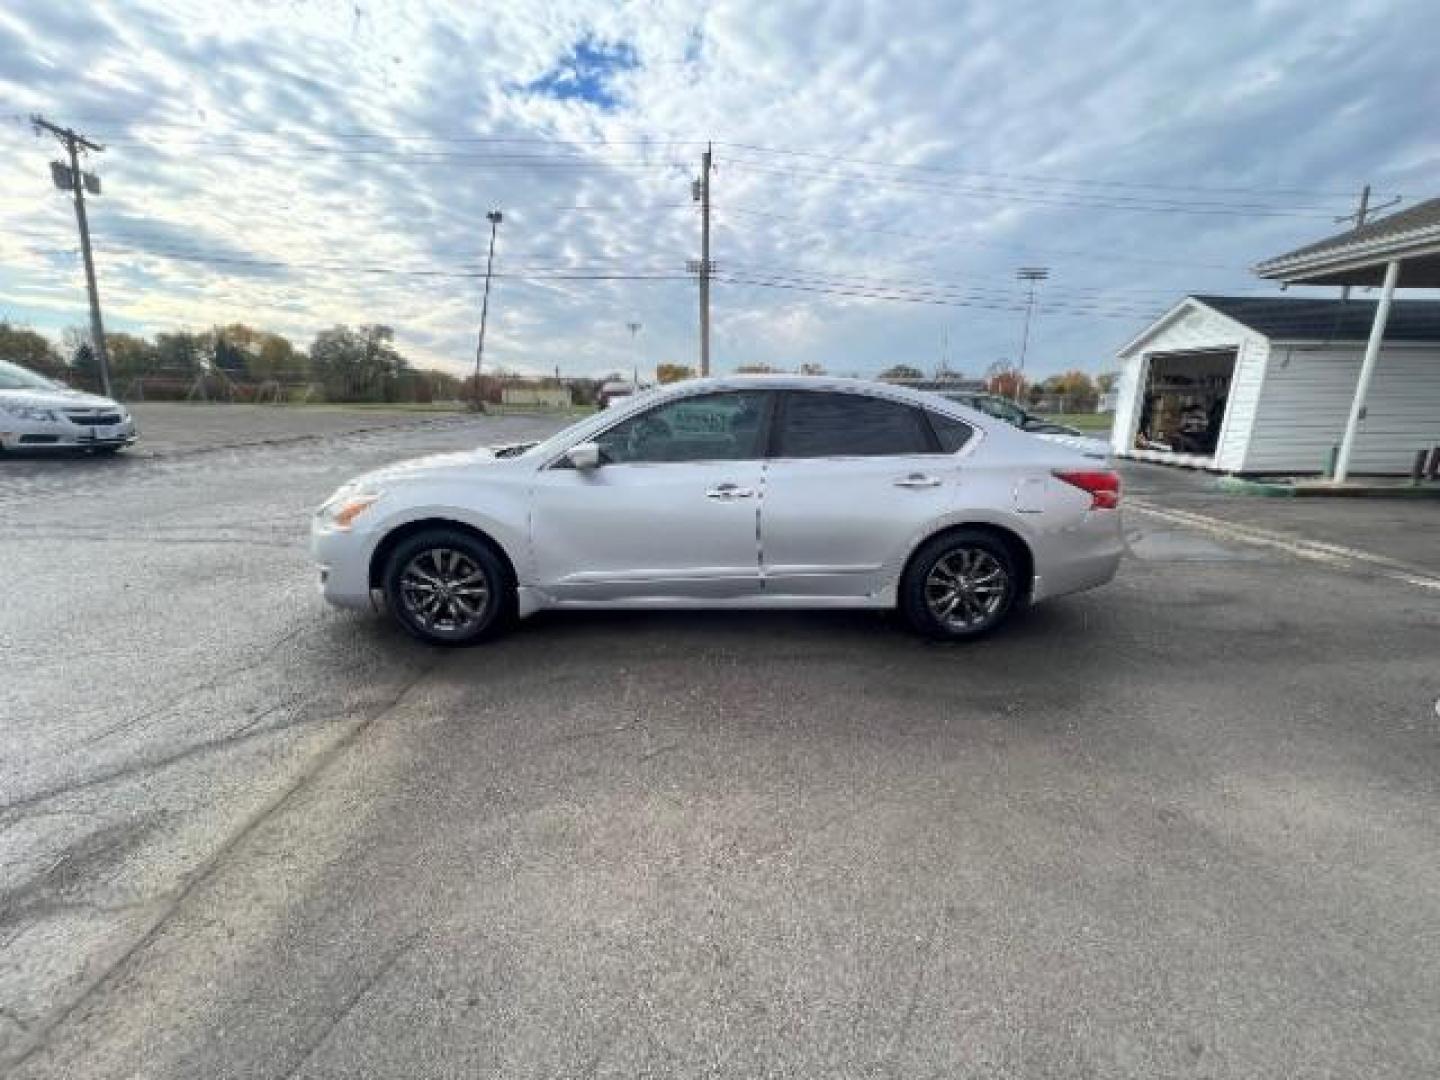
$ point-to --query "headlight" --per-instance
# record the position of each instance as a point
(27, 412)
(342, 508)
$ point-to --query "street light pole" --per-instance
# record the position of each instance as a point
(494, 217)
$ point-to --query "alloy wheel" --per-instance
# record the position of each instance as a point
(966, 588)
(444, 591)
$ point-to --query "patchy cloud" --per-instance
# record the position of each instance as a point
(880, 171)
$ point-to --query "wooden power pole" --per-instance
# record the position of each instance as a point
(702, 195)
(78, 183)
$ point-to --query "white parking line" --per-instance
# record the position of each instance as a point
(1331, 554)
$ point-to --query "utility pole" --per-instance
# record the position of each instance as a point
(700, 192)
(634, 328)
(1360, 216)
(494, 217)
(1030, 275)
(78, 182)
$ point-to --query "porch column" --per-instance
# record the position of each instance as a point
(1367, 369)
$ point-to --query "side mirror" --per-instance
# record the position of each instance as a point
(584, 456)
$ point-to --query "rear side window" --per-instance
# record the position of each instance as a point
(816, 424)
(952, 433)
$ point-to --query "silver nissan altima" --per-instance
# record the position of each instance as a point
(754, 492)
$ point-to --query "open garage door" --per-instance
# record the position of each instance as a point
(1182, 405)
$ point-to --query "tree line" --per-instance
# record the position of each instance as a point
(342, 363)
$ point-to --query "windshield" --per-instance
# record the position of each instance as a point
(15, 377)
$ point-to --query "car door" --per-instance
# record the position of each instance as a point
(672, 511)
(852, 480)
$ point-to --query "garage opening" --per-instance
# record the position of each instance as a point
(1182, 406)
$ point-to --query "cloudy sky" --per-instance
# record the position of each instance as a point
(882, 167)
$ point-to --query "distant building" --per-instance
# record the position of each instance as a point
(536, 396)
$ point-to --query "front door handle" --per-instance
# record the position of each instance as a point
(918, 480)
(730, 491)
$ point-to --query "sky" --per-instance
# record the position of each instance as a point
(882, 168)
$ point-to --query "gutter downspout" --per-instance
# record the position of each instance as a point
(1367, 370)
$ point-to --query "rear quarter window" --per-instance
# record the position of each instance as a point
(951, 433)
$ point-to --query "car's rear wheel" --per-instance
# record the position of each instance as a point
(447, 587)
(959, 586)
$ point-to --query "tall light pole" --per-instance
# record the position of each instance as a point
(1030, 275)
(494, 217)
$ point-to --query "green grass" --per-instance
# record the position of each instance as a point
(1083, 421)
(379, 406)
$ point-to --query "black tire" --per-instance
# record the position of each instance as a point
(975, 561)
(459, 563)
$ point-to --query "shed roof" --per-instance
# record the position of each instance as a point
(1358, 256)
(1294, 318)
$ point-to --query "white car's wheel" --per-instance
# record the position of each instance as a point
(959, 586)
(447, 587)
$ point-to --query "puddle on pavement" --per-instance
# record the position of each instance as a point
(1171, 545)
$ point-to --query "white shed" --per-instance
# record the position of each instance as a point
(1265, 385)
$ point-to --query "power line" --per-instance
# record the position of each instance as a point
(978, 283)
(724, 209)
(1033, 178)
(461, 138)
(941, 301)
(1000, 195)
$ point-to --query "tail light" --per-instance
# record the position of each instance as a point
(1102, 485)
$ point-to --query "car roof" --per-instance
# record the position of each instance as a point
(926, 398)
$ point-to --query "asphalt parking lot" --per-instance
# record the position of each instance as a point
(1182, 826)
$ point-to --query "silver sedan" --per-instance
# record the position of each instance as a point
(756, 492)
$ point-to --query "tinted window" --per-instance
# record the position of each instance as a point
(952, 433)
(849, 425)
(708, 427)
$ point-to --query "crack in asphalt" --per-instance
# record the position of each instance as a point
(211, 683)
(348, 1006)
(35, 1040)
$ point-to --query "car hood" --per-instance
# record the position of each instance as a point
(424, 467)
(57, 399)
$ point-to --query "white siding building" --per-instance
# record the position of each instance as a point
(1265, 385)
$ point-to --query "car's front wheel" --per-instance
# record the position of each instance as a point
(960, 585)
(447, 587)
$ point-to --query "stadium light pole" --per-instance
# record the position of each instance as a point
(494, 217)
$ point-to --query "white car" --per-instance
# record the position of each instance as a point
(755, 492)
(41, 413)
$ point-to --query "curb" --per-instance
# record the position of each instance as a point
(1233, 485)
(1321, 491)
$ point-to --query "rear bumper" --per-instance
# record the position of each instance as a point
(1083, 556)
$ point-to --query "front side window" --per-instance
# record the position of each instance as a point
(707, 427)
(815, 424)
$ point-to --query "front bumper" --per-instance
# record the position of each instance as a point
(343, 561)
(63, 434)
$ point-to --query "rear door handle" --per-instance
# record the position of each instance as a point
(918, 480)
(730, 491)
